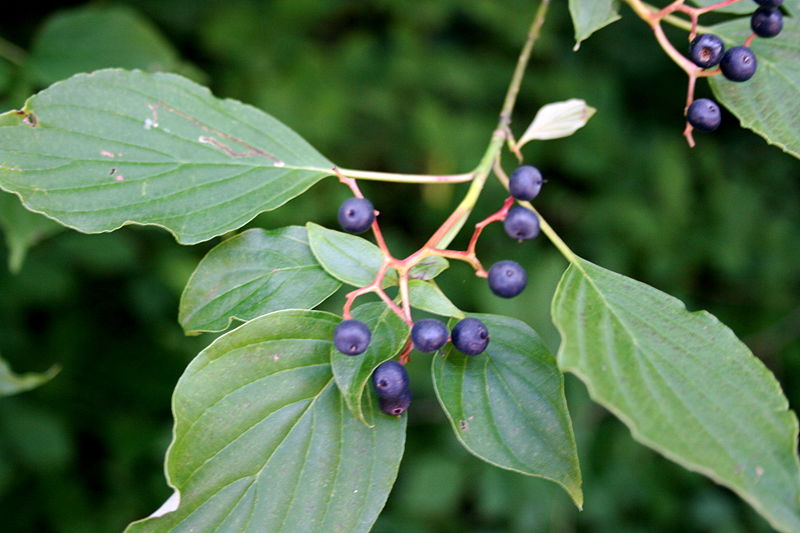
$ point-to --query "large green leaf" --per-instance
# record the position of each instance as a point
(743, 7)
(346, 257)
(507, 404)
(353, 372)
(251, 274)
(264, 442)
(11, 383)
(588, 16)
(684, 385)
(22, 229)
(427, 296)
(69, 42)
(769, 103)
(116, 147)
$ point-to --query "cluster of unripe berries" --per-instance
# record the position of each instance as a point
(470, 336)
(736, 64)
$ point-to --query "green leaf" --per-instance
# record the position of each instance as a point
(11, 383)
(745, 8)
(346, 257)
(115, 147)
(429, 268)
(775, 86)
(22, 228)
(427, 296)
(684, 385)
(264, 442)
(507, 404)
(69, 42)
(588, 16)
(353, 372)
(252, 274)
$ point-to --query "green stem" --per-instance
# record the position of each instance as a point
(454, 224)
(406, 178)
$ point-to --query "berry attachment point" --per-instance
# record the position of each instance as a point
(706, 50)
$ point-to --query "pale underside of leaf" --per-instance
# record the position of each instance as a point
(264, 442)
(115, 147)
(11, 383)
(556, 120)
(507, 405)
(251, 274)
(684, 385)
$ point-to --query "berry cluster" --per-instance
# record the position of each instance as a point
(736, 64)
(470, 335)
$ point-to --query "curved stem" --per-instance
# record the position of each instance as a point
(406, 178)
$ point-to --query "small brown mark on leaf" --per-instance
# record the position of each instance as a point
(464, 424)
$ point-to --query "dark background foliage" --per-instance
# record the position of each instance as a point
(414, 87)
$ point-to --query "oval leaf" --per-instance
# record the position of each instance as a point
(353, 372)
(69, 42)
(429, 268)
(346, 257)
(264, 442)
(252, 274)
(588, 16)
(427, 296)
(768, 103)
(116, 147)
(507, 404)
(684, 385)
(560, 119)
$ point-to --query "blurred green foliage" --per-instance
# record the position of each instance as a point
(415, 87)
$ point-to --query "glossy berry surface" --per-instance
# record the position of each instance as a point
(706, 50)
(395, 406)
(521, 223)
(429, 334)
(356, 215)
(704, 114)
(470, 336)
(525, 183)
(390, 380)
(769, 3)
(766, 22)
(738, 63)
(507, 278)
(351, 337)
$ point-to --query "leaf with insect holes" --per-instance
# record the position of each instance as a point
(560, 119)
(507, 405)
(252, 274)
(116, 147)
(346, 257)
(353, 373)
(263, 440)
(684, 385)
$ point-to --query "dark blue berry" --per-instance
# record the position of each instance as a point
(769, 3)
(395, 406)
(470, 336)
(390, 380)
(429, 334)
(706, 50)
(525, 183)
(507, 278)
(738, 63)
(704, 114)
(766, 22)
(521, 223)
(351, 337)
(356, 215)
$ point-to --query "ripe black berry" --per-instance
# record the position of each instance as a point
(766, 22)
(470, 336)
(429, 334)
(395, 406)
(351, 337)
(704, 114)
(706, 50)
(390, 380)
(356, 215)
(738, 63)
(525, 183)
(521, 223)
(507, 278)
(769, 3)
